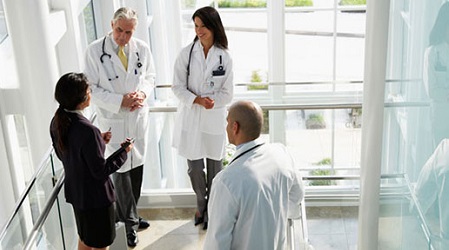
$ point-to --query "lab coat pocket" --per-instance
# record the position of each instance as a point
(218, 82)
(117, 129)
(213, 121)
(142, 122)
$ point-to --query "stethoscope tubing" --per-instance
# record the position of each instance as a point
(139, 64)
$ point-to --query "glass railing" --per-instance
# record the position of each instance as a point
(401, 217)
(31, 204)
(324, 139)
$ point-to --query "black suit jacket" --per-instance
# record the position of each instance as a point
(87, 183)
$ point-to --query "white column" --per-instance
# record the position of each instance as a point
(30, 32)
(8, 184)
(276, 65)
(106, 12)
(72, 38)
(161, 42)
(377, 17)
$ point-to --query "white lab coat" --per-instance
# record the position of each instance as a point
(436, 82)
(199, 132)
(250, 199)
(107, 95)
(433, 186)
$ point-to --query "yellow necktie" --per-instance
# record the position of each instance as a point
(122, 56)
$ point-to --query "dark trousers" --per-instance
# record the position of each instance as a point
(127, 190)
(202, 183)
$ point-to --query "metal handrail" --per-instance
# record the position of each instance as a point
(48, 205)
(279, 107)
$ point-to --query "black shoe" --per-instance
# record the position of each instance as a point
(132, 238)
(198, 219)
(205, 225)
(143, 223)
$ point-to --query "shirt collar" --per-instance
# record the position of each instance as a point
(115, 45)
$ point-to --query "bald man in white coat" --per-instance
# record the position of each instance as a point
(250, 199)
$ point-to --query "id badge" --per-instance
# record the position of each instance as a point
(209, 86)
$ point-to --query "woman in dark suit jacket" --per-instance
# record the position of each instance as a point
(80, 146)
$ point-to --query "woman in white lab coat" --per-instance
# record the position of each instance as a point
(436, 75)
(203, 83)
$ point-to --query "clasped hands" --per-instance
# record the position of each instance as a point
(206, 102)
(133, 100)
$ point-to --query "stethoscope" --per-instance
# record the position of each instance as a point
(247, 151)
(104, 54)
(219, 72)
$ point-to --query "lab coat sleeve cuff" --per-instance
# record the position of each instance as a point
(191, 99)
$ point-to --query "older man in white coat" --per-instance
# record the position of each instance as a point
(121, 74)
(250, 199)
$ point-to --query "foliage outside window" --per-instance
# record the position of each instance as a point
(315, 121)
(257, 78)
(260, 3)
(188, 4)
(352, 2)
(230, 150)
(322, 172)
(89, 21)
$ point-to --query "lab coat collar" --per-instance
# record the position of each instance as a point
(244, 147)
(199, 47)
(130, 50)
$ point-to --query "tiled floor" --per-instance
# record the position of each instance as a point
(332, 227)
(329, 228)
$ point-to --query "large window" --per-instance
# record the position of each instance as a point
(324, 58)
(89, 22)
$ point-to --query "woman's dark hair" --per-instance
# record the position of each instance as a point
(71, 90)
(211, 19)
(441, 27)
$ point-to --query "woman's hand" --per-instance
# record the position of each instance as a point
(107, 136)
(130, 144)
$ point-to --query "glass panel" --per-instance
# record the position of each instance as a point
(352, 23)
(416, 126)
(246, 30)
(23, 146)
(400, 226)
(309, 44)
(350, 60)
(309, 138)
(3, 29)
(30, 209)
(51, 235)
(89, 22)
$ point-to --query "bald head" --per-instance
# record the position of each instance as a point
(245, 120)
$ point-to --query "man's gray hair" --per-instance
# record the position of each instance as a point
(125, 13)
